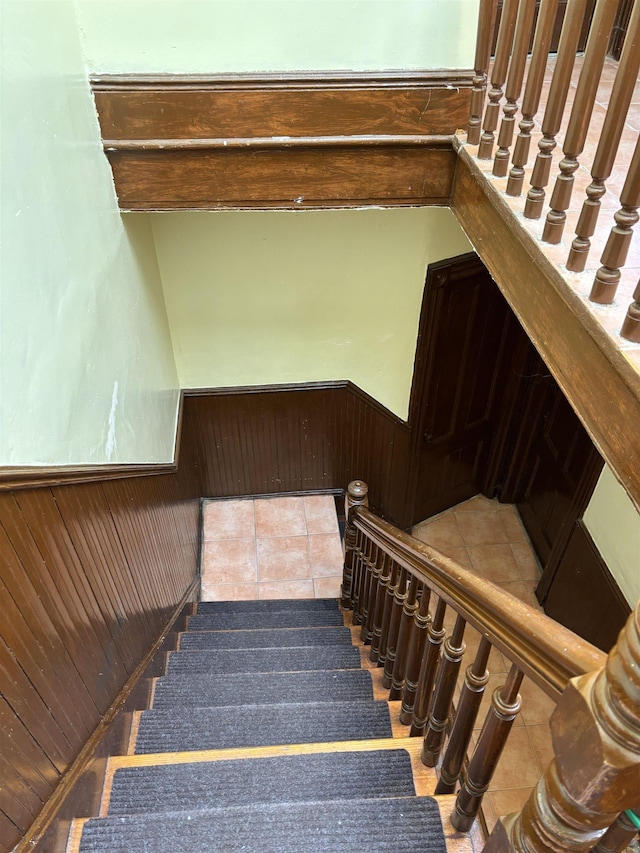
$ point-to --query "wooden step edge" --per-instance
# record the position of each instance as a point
(75, 834)
(424, 777)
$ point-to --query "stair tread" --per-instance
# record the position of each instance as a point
(401, 825)
(245, 621)
(271, 605)
(289, 778)
(175, 730)
(262, 688)
(266, 639)
(293, 659)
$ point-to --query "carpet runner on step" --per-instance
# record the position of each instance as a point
(265, 674)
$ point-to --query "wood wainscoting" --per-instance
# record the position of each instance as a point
(282, 141)
(91, 573)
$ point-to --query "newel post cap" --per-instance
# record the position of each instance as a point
(357, 491)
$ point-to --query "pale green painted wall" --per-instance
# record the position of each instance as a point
(614, 524)
(214, 36)
(86, 367)
(264, 297)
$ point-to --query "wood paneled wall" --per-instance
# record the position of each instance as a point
(253, 441)
(90, 575)
(282, 140)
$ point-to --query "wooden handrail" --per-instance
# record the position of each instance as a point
(549, 654)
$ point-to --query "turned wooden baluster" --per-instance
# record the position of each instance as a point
(533, 89)
(452, 653)
(394, 628)
(378, 613)
(514, 86)
(484, 37)
(621, 95)
(359, 576)
(498, 76)
(505, 705)
(595, 730)
(416, 652)
(631, 327)
(366, 634)
(580, 118)
(475, 681)
(365, 585)
(615, 252)
(618, 837)
(405, 636)
(356, 495)
(428, 669)
(387, 611)
(554, 112)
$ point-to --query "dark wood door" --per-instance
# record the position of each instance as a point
(460, 344)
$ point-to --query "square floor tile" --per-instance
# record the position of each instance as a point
(512, 524)
(286, 589)
(481, 528)
(229, 561)
(228, 591)
(283, 558)
(320, 513)
(537, 707)
(280, 517)
(495, 563)
(518, 767)
(228, 520)
(327, 587)
(525, 557)
(325, 553)
(441, 532)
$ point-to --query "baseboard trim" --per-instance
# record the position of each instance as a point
(48, 833)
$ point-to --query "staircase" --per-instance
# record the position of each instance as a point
(266, 734)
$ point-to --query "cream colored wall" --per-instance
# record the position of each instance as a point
(614, 524)
(266, 297)
(86, 367)
(214, 36)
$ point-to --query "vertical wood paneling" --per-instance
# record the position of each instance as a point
(89, 575)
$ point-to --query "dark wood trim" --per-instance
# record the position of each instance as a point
(583, 594)
(281, 141)
(78, 794)
(600, 384)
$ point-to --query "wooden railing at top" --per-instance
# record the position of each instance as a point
(391, 582)
(518, 24)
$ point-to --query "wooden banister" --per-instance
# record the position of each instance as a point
(486, 23)
(545, 651)
(596, 771)
(498, 77)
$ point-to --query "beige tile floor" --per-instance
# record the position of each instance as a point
(290, 548)
(271, 548)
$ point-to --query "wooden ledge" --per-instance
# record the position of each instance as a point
(600, 383)
(282, 141)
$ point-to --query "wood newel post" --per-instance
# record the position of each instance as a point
(596, 772)
(631, 327)
(533, 89)
(615, 252)
(514, 86)
(416, 651)
(486, 23)
(615, 118)
(428, 669)
(505, 706)
(357, 495)
(475, 681)
(498, 76)
(580, 118)
(554, 111)
(405, 637)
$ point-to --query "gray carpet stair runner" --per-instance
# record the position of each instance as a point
(265, 674)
